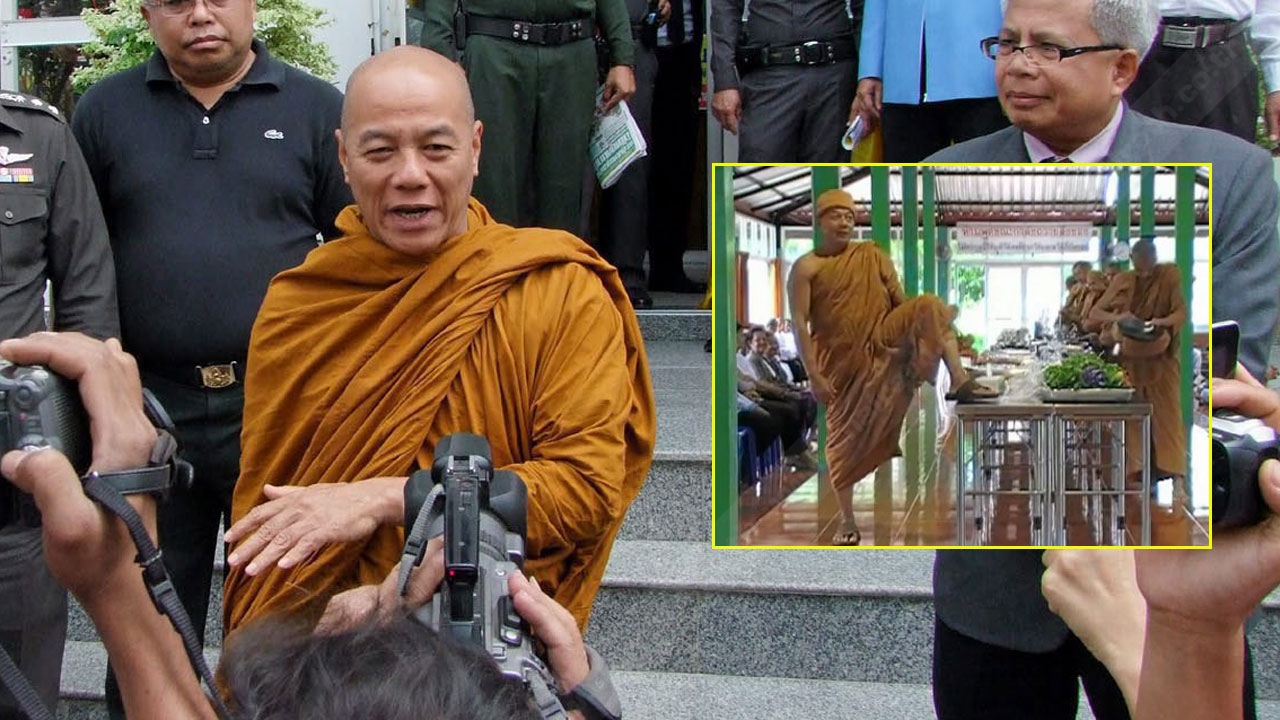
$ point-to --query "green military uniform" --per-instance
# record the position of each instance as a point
(532, 69)
(51, 230)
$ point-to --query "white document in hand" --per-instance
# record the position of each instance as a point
(616, 142)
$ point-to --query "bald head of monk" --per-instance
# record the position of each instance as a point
(835, 211)
(1143, 256)
(410, 148)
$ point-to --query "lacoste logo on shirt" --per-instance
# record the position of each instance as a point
(273, 134)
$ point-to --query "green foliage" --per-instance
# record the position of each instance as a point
(970, 284)
(123, 39)
(1068, 374)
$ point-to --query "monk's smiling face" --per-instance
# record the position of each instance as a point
(837, 226)
(410, 148)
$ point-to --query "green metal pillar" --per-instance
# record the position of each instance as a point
(1104, 245)
(910, 234)
(911, 283)
(880, 206)
(1124, 208)
(725, 368)
(1147, 202)
(944, 269)
(1185, 234)
(930, 238)
(930, 262)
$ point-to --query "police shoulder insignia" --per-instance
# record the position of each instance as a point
(27, 102)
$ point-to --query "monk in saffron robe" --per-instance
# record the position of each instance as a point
(1153, 292)
(1072, 313)
(867, 348)
(429, 318)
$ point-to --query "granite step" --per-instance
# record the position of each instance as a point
(654, 696)
(678, 324)
(861, 615)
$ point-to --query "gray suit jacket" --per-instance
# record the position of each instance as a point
(994, 595)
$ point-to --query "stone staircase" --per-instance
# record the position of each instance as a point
(693, 632)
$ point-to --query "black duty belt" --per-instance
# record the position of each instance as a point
(560, 33)
(812, 52)
(211, 377)
(1192, 33)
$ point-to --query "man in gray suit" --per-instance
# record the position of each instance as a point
(1062, 67)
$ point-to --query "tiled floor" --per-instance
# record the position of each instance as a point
(910, 501)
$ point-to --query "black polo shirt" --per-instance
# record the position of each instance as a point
(204, 207)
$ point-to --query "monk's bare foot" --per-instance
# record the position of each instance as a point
(848, 536)
(970, 390)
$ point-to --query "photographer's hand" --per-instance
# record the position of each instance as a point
(1197, 600)
(296, 521)
(89, 551)
(555, 627)
(110, 388)
(351, 607)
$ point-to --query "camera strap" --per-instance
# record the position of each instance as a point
(28, 701)
(161, 589)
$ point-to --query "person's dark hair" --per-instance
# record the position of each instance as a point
(397, 669)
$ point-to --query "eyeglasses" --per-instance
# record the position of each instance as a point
(176, 8)
(1039, 54)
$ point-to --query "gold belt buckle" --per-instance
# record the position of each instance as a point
(217, 376)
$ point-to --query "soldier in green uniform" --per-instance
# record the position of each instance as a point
(532, 69)
(51, 232)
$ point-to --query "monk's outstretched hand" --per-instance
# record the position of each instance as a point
(296, 522)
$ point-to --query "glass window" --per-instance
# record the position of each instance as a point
(35, 9)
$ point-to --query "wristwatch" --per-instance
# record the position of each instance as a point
(594, 697)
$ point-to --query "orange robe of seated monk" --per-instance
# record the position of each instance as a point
(875, 347)
(363, 358)
(1158, 379)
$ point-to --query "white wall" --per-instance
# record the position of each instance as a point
(349, 36)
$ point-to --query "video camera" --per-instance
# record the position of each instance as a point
(38, 408)
(483, 516)
(1240, 446)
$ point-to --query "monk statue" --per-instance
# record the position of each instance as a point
(867, 348)
(1152, 292)
(430, 318)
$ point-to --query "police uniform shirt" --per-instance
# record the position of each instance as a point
(51, 227)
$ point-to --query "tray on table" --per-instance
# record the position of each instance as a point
(1090, 395)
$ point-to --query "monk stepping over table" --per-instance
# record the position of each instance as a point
(868, 348)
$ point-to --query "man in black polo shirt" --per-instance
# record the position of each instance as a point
(217, 168)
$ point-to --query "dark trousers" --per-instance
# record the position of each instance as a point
(536, 104)
(793, 113)
(1214, 87)
(672, 160)
(208, 423)
(33, 616)
(787, 415)
(972, 679)
(762, 424)
(914, 132)
(624, 207)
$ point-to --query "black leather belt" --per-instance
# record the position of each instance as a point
(209, 377)
(560, 33)
(812, 52)
(1192, 33)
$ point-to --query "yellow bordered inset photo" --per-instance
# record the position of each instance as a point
(962, 355)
